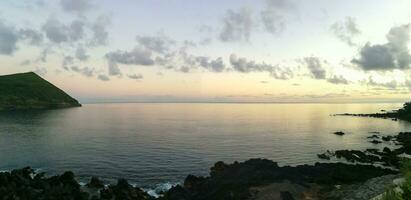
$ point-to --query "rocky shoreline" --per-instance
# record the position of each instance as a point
(226, 181)
(403, 113)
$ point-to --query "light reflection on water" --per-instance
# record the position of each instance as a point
(156, 143)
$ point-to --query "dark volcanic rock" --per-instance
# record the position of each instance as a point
(324, 156)
(124, 191)
(20, 184)
(373, 137)
(23, 185)
(339, 133)
(387, 138)
(286, 196)
(403, 113)
(386, 157)
(376, 141)
(95, 183)
(232, 181)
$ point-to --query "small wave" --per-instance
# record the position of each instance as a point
(159, 189)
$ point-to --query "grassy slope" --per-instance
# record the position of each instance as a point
(30, 91)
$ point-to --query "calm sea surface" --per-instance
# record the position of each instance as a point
(157, 143)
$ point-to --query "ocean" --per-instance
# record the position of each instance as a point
(159, 144)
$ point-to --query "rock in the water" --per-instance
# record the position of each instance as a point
(95, 183)
(286, 196)
(340, 133)
(373, 137)
(376, 142)
(387, 138)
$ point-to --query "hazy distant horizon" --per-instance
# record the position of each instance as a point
(114, 101)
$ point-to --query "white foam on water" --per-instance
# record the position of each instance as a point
(159, 189)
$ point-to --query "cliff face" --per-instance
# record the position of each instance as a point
(30, 91)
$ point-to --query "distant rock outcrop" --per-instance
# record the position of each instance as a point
(403, 113)
(30, 91)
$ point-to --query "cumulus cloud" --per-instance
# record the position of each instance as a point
(315, 67)
(393, 84)
(8, 39)
(103, 77)
(237, 25)
(55, 31)
(25, 62)
(184, 69)
(40, 71)
(158, 44)
(58, 32)
(345, 30)
(67, 60)
(86, 71)
(274, 15)
(338, 80)
(79, 6)
(32, 36)
(135, 76)
(216, 65)
(244, 66)
(100, 32)
(81, 54)
(392, 55)
(135, 57)
(113, 69)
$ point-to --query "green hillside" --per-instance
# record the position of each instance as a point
(30, 91)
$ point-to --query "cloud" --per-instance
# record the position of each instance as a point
(244, 66)
(58, 32)
(44, 53)
(79, 6)
(274, 15)
(103, 77)
(346, 30)
(135, 57)
(184, 69)
(81, 54)
(76, 30)
(135, 76)
(86, 71)
(393, 84)
(67, 60)
(25, 62)
(100, 32)
(237, 25)
(32, 36)
(216, 65)
(392, 55)
(158, 44)
(40, 71)
(315, 67)
(338, 80)
(8, 39)
(113, 69)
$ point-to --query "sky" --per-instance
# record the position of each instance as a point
(212, 51)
